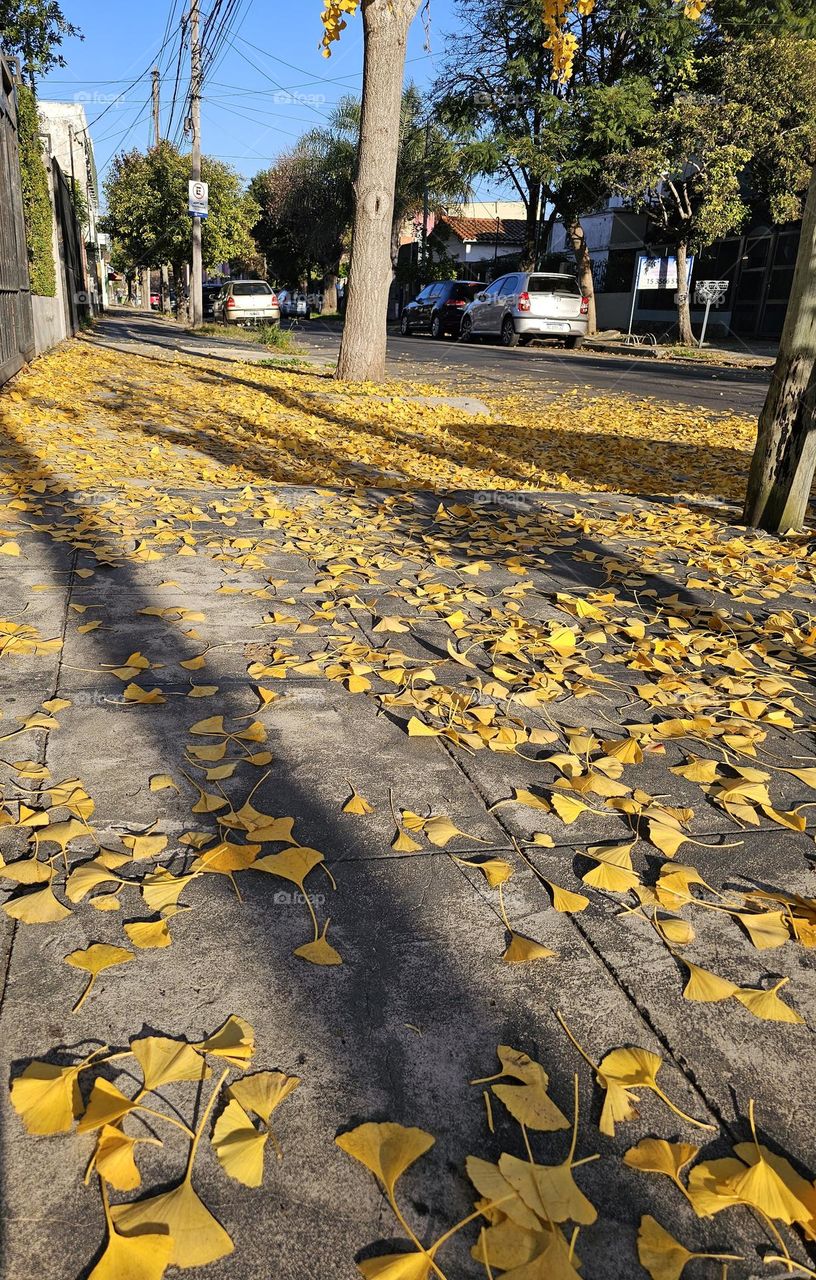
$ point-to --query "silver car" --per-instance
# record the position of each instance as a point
(525, 305)
(247, 302)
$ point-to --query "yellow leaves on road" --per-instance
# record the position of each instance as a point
(48, 1099)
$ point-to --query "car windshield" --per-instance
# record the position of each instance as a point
(465, 292)
(250, 288)
(555, 284)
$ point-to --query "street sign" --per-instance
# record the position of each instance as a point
(712, 293)
(659, 273)
(656, 273)
(199, 199)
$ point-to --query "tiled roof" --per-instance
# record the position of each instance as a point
(485, 230)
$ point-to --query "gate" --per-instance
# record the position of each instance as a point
(16, 320)
(71, 244)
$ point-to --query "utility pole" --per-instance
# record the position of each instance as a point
(196, 279)
(156, 107)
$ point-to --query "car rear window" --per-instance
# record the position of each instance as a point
(465, 292)
(555, 284)
(250, 289)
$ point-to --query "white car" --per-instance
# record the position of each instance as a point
(247, 302)
(526, 305)
(292, 304)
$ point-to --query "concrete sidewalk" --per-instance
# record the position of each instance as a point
(273, 575)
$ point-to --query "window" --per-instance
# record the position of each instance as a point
(497, 287)
(425, 295)
(555, 284)
(464, 292)
(250, 288)
(512, 284)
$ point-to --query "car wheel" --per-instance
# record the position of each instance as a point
(509, 336)
(466, 329)
(573, 343)
(436, 327)
(405, 325)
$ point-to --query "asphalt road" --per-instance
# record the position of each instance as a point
(551, 369)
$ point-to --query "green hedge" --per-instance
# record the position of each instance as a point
(36, 198)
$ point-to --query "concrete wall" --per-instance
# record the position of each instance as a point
(613, 310)
(51, 315)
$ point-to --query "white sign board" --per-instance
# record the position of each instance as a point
(659, 273)
(199, 199)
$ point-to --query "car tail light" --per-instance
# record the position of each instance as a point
(230, 303)
(585, 306)
(524, 302)
(274, 299)
(456, 302)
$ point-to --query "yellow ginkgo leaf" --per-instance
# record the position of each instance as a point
(521, 950)
(529, 1101)
(292, 864)
(706, 1182)
(706, 987)
(197, 1237)
(114, 1157)
(801, 1190)
(357, 804)
(145, 846)
(94, 960)
(319, 952)
(491, 1183)
(162, 890)
(766, 929)
(675, 930)
(402, 843)
(396, 1266)
(239, 1146)
(386, 1149)
(148, 934)
(234, 1041)
(655, 1155)
(140, 1257)
(86, 877)
(47, 1097)
(549, 1190)
(664, 1257)
(565, 900)
(635, 1068)
(263, 1092)
(162, 782)
(164, 1060)
(768, 1005)
(106, 1105)
(148, 697)
(496, 871)
(28, 871)
(40, 907)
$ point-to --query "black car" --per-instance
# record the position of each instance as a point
(209, 294)
(439, 307)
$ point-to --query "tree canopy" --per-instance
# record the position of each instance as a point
(33, 31)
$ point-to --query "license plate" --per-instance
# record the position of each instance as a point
(556, 326)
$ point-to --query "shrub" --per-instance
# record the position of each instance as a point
(36, 198)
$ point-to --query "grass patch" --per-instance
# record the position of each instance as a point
(263, 335)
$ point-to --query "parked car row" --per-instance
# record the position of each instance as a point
(516, 308)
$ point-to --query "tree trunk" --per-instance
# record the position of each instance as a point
(145, 288)
(527, 261)
(784, 460)
(385, 32)
(685, 333)
(583, 260)
(329, 294)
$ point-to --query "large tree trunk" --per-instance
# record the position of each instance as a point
(784, 460)
(685, 333)
(385, 32)
(145, 288)
(583, 260)
(329, 286)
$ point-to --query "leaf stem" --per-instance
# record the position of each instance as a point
(202, 1124)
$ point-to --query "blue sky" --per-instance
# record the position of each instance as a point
(268, 84)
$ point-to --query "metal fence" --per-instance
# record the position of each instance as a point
(16, 321)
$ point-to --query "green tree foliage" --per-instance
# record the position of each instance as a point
(307, 197)
(33, 31)
(147, 209)
(36, 198)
